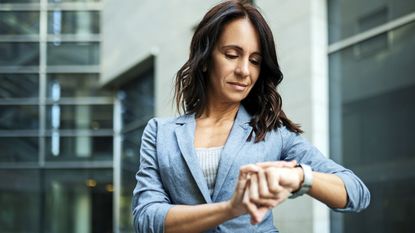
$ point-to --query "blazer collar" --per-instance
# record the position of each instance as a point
(242, 118)
(236, 139)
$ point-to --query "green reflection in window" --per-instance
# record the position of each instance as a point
(19, 22)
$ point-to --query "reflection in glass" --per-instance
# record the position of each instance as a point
(130, 146)
(19, 54)
(19, 86)
(19, 149)
(73, 22)
(347, 18)
(76, 85)
(78, 201)
(20, 201)
(80, 116)
(19, 117)
(129, 166)
(136, 94)
(19, 22)
(73, 53)
(137, 99)
(79, 148)
(372, 101)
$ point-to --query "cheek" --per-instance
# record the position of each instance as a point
(255, 78)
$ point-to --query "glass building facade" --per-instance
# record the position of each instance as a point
(56, 123)
(372, 88)
(68, 146)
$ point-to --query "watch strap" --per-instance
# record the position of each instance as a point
(308, 181)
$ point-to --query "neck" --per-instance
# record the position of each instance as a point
(219, 112)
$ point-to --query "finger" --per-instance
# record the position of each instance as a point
(244, 176)
(249, 168)
(254, 195)
(267, 203)
(273, 181)
(256, 212)
(253, 188)
(263, 185)
(281, 163)
(262, 211)
(250, 207)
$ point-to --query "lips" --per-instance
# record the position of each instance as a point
(238, 86)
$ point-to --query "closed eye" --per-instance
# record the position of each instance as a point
(231, 56)
(255, 61)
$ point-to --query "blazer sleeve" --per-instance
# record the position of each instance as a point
(150, 200)
(297, 148)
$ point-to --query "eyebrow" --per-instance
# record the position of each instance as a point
(238, 48)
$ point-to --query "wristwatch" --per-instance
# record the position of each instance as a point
(308, 181)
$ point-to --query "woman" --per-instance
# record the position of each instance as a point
(234, 154)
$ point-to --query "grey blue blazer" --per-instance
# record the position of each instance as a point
(169, 171)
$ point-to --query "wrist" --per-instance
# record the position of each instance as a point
(306, 180)
(300, 173)
(232, 211)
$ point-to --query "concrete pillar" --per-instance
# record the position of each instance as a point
(300, 32)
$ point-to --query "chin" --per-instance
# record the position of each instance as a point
(235, 98)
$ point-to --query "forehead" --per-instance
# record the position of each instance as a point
(240, 32)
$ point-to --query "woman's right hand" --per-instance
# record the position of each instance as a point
(240, 202)
(236, 205)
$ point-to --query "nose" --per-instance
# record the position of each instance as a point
(243, 68)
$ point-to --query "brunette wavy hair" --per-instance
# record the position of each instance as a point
(263, 102)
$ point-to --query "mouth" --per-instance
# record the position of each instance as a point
(238, 86)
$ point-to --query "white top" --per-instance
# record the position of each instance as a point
(209, 162)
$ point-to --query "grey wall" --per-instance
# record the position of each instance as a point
(300, 32)
(134, 30)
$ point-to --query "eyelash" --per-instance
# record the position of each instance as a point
(231, 56)
(255, 62)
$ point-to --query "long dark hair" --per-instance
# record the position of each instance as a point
(263, 102)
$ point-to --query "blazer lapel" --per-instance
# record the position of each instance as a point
(237, 138)
(185, 138)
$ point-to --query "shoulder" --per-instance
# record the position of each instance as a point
(288, 138)
(158, 123)
(283, 133)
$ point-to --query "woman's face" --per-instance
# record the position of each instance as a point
(236, 62)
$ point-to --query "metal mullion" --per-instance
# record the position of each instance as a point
(391, 25)
(19, 101)
(19, 70)
(75, 38)
(82, 101)
(19, 38)
(59, 165)
(85, 6)
(42, 80)
(82, 133)
(74, 69)
(20, 6)
(79, 165)
(19, 133)
(19, 165)
(117, 173)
